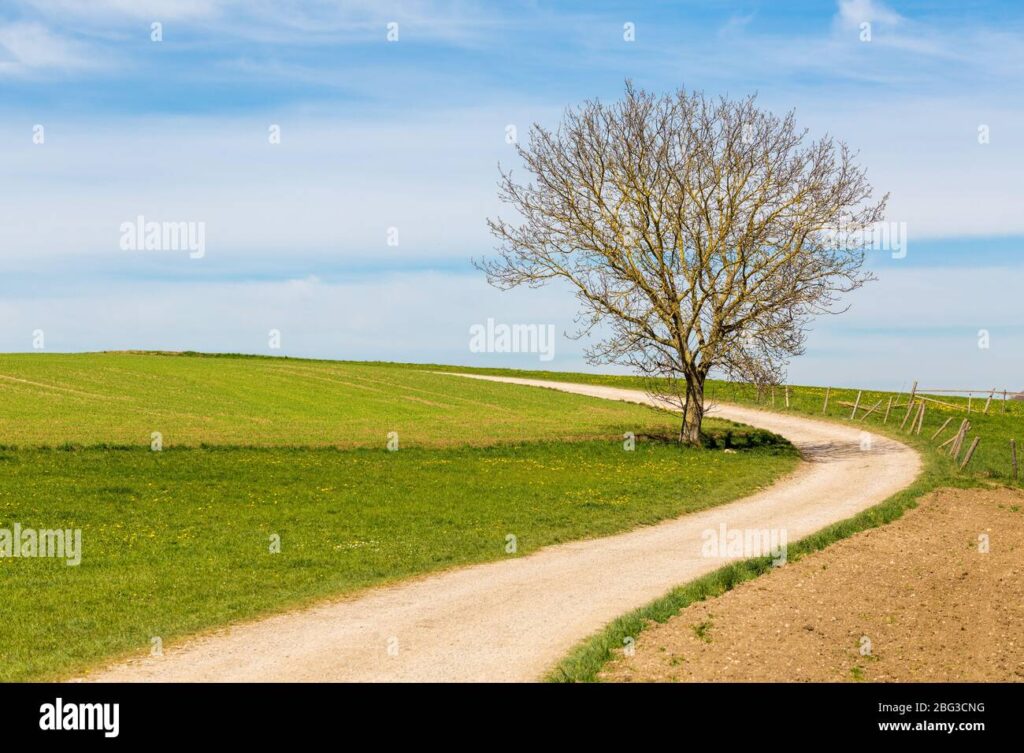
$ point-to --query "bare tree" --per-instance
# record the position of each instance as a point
(702, 234)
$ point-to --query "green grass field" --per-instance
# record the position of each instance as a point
(120, 399)
(178, 541)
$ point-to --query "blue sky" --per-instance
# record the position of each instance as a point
(408, 135)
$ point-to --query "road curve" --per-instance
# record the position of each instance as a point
(512, 620)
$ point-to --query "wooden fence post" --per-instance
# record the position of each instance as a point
(910, 407)
(989, 401)
(871, 410)
(825, 406)
(970, 453)
(942, 428)
(888, 408)
(920, 418)
(965, 427)
(856, 404)
(952, 441)
(1013, 457)
(787, 395)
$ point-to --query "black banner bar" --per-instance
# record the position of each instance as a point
(258, 714)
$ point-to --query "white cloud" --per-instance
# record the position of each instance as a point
(424, 317)
(852, 13)
(104, 10)
(303, 23)
(922, 324)
(335, 185)
(925, 152)
(736, 23)
(31, 47)
(330, 187)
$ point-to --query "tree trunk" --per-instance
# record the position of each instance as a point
(693, 412)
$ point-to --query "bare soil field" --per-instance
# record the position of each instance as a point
(936, 596)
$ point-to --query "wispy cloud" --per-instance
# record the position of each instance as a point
(853, 13)
(278, 23)
(27, 48)
(105, 11)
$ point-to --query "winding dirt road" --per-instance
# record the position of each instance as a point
(514, 619)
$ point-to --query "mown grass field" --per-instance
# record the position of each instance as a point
(178, 541)
(120, 399)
